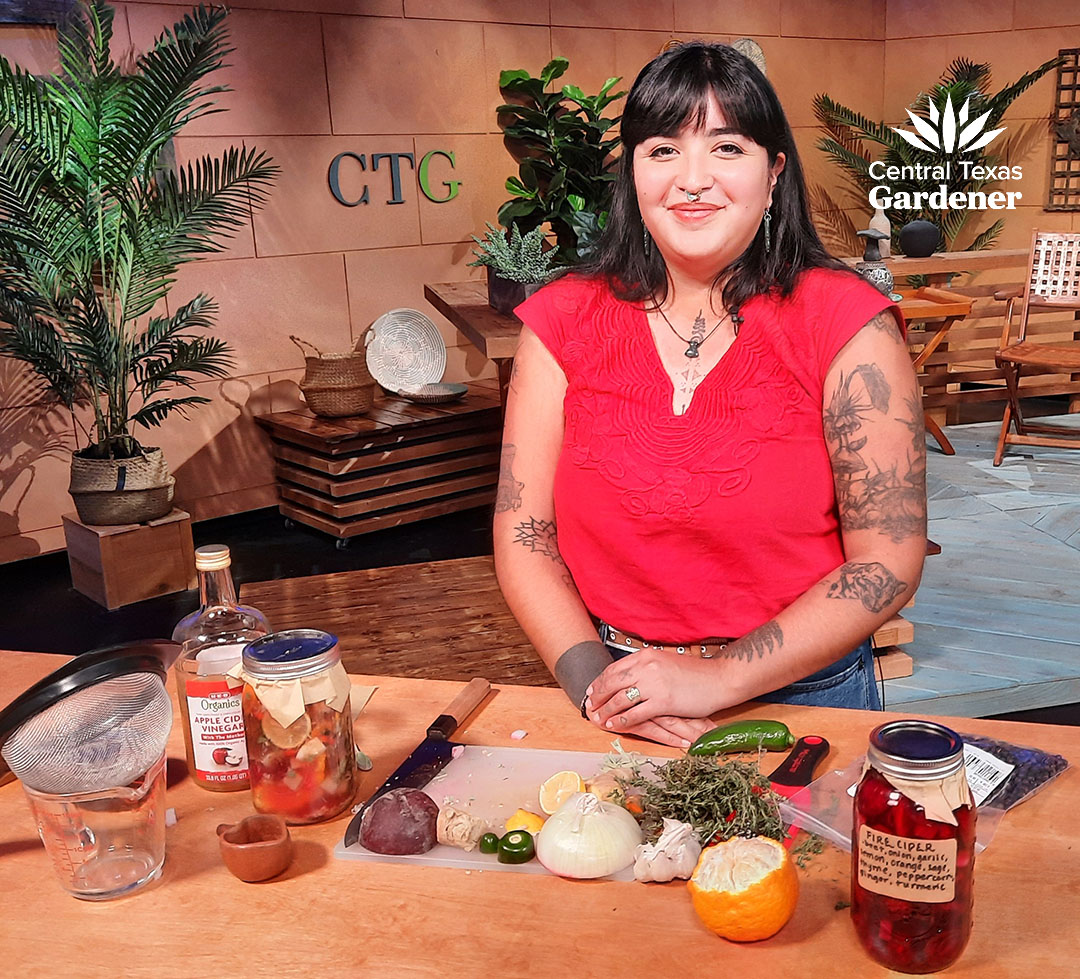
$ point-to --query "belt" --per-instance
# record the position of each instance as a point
(706, 650)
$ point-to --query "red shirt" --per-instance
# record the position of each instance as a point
(706, 524)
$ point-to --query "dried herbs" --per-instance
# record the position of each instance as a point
(720, 799)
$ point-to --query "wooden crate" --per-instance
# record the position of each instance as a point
(399, 463)
(128, 563)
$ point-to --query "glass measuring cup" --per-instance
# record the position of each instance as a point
(108, 843)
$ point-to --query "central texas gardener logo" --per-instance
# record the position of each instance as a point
(953, 132)
(948, 132)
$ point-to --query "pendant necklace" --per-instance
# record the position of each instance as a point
(698, 335)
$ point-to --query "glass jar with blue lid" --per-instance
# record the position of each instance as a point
(298, 725)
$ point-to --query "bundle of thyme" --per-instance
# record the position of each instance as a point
(719, 798)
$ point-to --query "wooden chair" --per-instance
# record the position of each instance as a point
(1053, 284)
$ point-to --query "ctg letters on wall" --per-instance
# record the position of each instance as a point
(393, 162)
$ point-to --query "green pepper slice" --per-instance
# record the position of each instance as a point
(489, 843)
(743, 736)
(516, 847)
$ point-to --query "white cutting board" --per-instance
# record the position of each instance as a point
(490, 783)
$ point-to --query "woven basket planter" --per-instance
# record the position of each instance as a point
(108, 492)
(336, 385)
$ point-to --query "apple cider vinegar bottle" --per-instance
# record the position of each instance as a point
(212, 643)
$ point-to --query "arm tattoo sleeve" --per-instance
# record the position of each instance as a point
(890, 498)
(765, 639)
(873, 584)
(508, 494)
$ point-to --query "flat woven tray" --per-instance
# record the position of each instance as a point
(433, 394)
(405, 351)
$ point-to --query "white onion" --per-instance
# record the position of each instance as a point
(587, 838)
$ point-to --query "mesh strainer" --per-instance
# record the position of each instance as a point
(98, 722)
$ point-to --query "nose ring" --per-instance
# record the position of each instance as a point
(693, 198)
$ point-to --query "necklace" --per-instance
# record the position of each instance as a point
(698, 335)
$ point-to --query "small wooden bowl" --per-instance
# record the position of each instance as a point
(256, 848)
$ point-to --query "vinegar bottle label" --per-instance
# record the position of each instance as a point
(217, 729)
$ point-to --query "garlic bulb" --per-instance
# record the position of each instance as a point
(455, 827)
(587, 838)
(674, 854)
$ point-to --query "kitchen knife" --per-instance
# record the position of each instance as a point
(431, 755)
(796, 772)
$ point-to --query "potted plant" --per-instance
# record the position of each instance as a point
(516, 265)
(92, 230)
(563, 145)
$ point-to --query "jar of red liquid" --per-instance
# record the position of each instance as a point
(913, 848)
(298, 725)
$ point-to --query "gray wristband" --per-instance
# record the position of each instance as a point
(579, 666)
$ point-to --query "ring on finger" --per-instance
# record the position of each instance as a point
(633, 694)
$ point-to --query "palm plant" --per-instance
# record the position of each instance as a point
(93, 228)
(853, 142)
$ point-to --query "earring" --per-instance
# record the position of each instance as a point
(646, 240)
(768, 237)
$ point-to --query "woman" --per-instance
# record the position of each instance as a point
(713, 446)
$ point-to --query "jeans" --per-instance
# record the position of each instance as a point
(849, 682)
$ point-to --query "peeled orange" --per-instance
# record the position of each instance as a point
(745, 889)
(557, 789)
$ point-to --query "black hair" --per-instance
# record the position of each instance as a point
(671, 92)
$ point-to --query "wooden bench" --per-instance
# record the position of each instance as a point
(437, 620)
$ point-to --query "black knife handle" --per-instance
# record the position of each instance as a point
(460, 707)
(798, 767)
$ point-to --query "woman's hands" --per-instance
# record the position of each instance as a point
(680, 732)
(672, 687)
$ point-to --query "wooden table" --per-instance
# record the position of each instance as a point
(942, 309)
(495, 335)
(398, 463)
(940, 267)
(326, 917)
(442, 619)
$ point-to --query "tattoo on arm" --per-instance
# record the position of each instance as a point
(873, 584)
(540, 537)
(508, 494)
(885, 322)
(767, 638)
(890, 499)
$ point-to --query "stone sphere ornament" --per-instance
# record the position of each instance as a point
(919, 239)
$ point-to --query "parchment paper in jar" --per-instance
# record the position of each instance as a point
(939, 797)
(284, 700)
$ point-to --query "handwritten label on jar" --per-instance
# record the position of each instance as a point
(900, 867)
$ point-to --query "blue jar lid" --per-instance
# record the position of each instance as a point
(290, 654)
(915, 749)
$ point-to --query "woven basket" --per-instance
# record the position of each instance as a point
(108, 492)
(336, 385)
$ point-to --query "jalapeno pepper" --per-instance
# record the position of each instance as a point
(516, 847)
(489, 843)
(743, 736)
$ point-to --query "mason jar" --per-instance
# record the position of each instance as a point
(298, 726)
(913, 848)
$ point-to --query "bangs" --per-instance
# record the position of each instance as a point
(672, 94)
